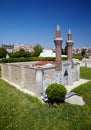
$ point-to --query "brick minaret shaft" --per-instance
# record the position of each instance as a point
(69, 44)
(58, 44)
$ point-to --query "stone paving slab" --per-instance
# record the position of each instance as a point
(76, 84)
(77, 100)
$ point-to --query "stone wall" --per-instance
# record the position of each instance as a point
(28, 77)
(48, 77)
(36, 79)
(15, 72)
(70, 73)
(67, 73)
(76, 72)
(65, 76)
(5, 71)
(20, 75)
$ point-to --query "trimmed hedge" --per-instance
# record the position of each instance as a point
(27, 59)
(80, 57)
(9, 60)
(56, 93)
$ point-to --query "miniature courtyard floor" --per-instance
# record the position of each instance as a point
(76, 84)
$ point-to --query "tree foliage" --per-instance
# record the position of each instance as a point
(37, 50)
(3, 52)
(78, 56)
(65, 50)
(83, 52)
(20, 53)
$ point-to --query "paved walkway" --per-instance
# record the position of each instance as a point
(76, 84)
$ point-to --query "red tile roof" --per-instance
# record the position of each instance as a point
(44, 62)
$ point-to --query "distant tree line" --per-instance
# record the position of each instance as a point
(21, 53)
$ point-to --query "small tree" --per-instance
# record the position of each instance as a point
(22, 53)
(18, 54)
(56, 93)
(3, 52)
(83, 52)
(37, 50)
(65, 50)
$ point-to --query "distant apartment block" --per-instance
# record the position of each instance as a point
(8, 47)
(79, 50)
(26, 47)
(17, 47)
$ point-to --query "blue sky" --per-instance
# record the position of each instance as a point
(35, 21)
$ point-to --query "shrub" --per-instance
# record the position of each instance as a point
(22, 59)
(56, 93)
(9, 60)
(78, 57)
(64, 58)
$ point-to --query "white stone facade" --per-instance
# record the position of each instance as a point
(47, 53)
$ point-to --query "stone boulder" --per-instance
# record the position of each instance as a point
(77, 100)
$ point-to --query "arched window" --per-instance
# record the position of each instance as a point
(66, 73)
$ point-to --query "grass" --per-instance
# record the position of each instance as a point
(19, 111)
(85, 73)
(0, 70)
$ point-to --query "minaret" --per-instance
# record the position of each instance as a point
(69, 44)
(58, 44)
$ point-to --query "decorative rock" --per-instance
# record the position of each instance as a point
(77, 100)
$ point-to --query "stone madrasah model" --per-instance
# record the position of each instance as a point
(36, 76)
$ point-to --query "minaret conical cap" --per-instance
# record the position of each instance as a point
(69, 32)
(58, 33)
(58, 28)
(69, 37)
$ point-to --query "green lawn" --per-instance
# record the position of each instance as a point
(85, 73)
(0, 71)
(19, 111)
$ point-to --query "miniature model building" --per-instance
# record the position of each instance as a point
(66, 71)
(36, 76)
